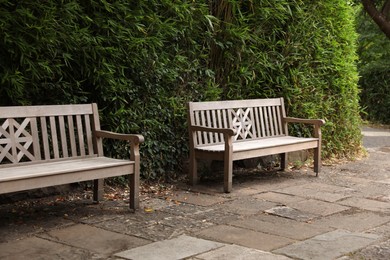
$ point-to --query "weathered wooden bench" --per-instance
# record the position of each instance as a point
(42, 146)
(243, 129)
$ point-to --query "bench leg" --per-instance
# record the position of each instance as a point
(98, 189)
(228, 171)
(193, 171)
(134, 191)
(317, 160)
(283, 161)
(228, 176)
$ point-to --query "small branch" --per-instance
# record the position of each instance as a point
(378, 17)
(386, 10)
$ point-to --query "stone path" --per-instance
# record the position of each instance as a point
(342, 214)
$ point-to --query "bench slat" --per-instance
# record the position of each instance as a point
(47, 110)
(64, 145)
(54, 138)
(72, 137)
(88, 133)
(80, 135)
(210, 105)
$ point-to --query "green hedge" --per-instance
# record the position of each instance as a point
(142, 61)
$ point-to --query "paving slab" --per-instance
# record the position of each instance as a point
(383, 230)
(34, 248)
(280, 226)
(276, 183)
(244, 237)
(354, 221)
(379, 251)
(177, 248)
(153, 230)
(239, 253)
(287, 212)
(196, 198)
(367, 204)
(320, 191)
(329, 245)
(318, 207)
(246, 206)
(93, 239)
(210, 214)
(373, 189)
(281, 199)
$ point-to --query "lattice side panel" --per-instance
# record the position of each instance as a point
(17, 139)
(242, 121)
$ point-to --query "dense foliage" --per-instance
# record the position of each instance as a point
(141, 61)
(374, 70)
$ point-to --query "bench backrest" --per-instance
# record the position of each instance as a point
(252, 119)
(54, 132)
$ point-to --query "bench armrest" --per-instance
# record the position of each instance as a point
(228, 131)
(134, 138)
(318, 122)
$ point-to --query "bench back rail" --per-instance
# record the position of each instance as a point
(43, 133)
(250, 119)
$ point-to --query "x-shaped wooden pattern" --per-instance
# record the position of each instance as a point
(242, 122)
(15, 140)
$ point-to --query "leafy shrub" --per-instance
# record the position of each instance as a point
(142, 61)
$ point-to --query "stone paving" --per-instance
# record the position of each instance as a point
(342, 214)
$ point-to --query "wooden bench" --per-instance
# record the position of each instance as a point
(243, 129)
(43, 146)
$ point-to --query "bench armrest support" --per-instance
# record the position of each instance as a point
(134, 140)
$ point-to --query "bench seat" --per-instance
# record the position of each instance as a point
(296, 143)
(39, 175)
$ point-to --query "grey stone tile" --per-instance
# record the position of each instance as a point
(354, 221)
(280, 226)
(196, 198)
(367, 204)
(210, 214)
(247, 206)
(318, 207)
(34, 248)
(239, 253)
(244, 237)
(94, 239)
(328, 246)
(287, 212)
(176, 248)
(320, 191)
(380, 251)
(282, 199)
